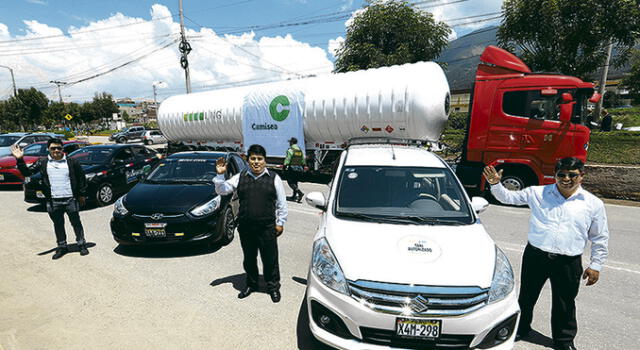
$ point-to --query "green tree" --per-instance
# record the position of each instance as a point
(632, 81)
(127, 118)
(569, 36)
(391, 32)
(103, 106)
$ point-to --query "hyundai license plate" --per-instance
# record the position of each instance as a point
(155, 229)
(416, 328)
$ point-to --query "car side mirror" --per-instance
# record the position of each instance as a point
(316, 200)
(595, 98)
(479, 204)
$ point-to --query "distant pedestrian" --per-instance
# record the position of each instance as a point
(261, 218)
(563, 218)
(64, 189)
(607, 121)
(294, 164)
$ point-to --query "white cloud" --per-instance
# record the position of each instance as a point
(38, 2)
(80, 52)
(334, 45)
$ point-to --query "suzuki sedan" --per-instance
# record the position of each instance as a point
(177, 203)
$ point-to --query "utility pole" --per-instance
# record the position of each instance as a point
(603, 81)
(58, 83)
(184, 48)
(15, 92)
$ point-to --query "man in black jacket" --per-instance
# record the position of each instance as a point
(64, 188)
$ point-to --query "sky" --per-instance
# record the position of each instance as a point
(126, 47)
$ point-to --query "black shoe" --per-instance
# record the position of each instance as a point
(291, 198)
(83, 250)
(563, 346)
(246, 292)
(275, 295)
(60, 252)
(300, 195)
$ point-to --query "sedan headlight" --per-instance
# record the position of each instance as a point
(502, 283)
(118, 207)
(207, 208)
(325, 266)
(90, 176)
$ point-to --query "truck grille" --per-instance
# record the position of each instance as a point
(413, 300)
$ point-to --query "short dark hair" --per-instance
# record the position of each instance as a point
(570, 163)
(293, 140)
(257, 150)
(55, 140)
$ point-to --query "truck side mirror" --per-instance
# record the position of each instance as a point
(566, 108)
(595, 98)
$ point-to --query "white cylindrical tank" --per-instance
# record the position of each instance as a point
(407, 101)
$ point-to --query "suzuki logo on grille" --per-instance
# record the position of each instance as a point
(157, 216)
(419, 304)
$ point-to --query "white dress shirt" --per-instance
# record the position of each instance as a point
(58, 171)
(562, 225)
(225, 187)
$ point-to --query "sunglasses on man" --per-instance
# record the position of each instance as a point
(570, 175)
(55, 148)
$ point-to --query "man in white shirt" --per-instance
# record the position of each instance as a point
(563, 218)
(261, 218)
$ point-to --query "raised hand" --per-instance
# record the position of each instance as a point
(17, 151)
(221, 165)
(492, 176)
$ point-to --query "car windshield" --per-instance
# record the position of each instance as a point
(92, 155)
(36, 149)
(417, 195)
(8, 140)
(185, 170)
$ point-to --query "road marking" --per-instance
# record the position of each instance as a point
(520, 249)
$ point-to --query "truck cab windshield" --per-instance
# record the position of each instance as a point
(416, 195)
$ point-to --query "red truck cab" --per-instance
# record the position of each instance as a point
(522, 122)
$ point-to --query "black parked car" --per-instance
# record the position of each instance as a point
(177, 203)
(110, 170)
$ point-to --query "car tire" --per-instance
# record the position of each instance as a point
(226, 226)
(122, 139)
(513, 182)
(104, 195)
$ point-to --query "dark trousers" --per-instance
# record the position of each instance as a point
(261, 238)
(293, 174)
(564, 273)
(56, 209)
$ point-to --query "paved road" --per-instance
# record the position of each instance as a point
(186, 298)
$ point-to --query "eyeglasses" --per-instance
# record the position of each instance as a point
(54, 148)
(570, 175)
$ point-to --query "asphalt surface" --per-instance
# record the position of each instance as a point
(185, 298)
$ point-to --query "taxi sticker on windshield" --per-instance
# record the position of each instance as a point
(352, 176)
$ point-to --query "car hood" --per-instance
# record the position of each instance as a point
(413, 254)
(7, 162)
(165, 198)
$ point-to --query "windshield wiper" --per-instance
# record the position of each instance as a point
(371, 218)
(425, 220)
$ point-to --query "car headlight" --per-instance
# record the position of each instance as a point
(325, 266)
(90, 176)
(502, 283)
(118, 207)
(207, 208)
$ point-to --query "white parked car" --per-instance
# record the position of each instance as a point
(153, 137)
(401, 260)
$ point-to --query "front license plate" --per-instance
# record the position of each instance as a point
(39, 194)
(420, 329)
(155, 229)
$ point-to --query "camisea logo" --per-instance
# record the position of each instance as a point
(284, 104)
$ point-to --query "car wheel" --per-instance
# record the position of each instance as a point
(226, 226)
(513, 182)
(104, 195)
(122, 139)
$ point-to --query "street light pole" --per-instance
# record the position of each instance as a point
(58, 83)
(15, 92)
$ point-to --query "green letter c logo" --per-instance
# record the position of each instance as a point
(273, 108)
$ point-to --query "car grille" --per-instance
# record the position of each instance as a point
(164, 216)
(388, 338)
(414, 300)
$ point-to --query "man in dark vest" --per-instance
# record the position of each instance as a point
(65, 187)
(263, 212)
(294, 164)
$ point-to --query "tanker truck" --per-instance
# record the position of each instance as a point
(518, 121)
